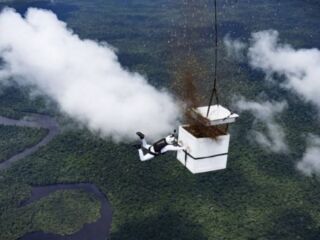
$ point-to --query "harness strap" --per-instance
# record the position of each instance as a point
(153, 153)
(185, 157)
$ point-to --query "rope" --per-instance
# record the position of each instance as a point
(214, 90)
(198, 158)
(201, 158)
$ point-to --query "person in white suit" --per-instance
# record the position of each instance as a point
(147, 152)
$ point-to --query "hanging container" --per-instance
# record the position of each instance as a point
(207, 149)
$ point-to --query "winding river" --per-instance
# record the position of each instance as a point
(98, 230)
(34, 121)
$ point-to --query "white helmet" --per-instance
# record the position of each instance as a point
(170, 139)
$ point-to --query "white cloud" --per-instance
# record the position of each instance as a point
(299, 70)
(235, 48)
(83, 76)
(274, 139)
(310, 163)
(299, 67)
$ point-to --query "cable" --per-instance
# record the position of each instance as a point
(214, 90)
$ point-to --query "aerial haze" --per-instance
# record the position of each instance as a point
(79, 78)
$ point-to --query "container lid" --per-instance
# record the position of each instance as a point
(217, 115)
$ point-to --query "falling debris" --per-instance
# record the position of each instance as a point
(205, 134)
(204, 138)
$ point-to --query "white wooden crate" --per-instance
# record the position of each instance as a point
(205, 154)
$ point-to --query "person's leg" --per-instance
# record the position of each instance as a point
(145, 157)
(144, 143)
(143, 140)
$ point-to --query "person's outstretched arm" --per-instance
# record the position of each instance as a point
(172, 148)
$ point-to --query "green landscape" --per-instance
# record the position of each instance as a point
(261, 195)
(17, 139)
(75, 208)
